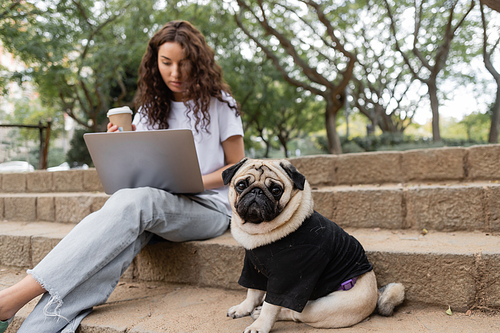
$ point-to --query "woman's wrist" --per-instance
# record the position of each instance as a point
(213, 180)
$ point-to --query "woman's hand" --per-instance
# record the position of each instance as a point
(114, 128)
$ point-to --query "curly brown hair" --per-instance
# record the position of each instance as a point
(199, 67)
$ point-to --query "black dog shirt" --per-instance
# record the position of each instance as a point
(307, 264)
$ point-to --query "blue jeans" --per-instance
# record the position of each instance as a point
(85, 267)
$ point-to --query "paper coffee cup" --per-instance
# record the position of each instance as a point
(121, 117)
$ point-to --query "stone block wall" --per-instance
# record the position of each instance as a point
(477, 163)
(45, 181)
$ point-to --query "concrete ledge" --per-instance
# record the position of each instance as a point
(91, 181)
(477, 163)
(448, 208)
(72, 209)
(14, 182)
(362, 208)
(45, 181)
(215, 263)
(434, 164)
(40, 181)
(434, 207)
(68, 181)
(488, 279)
(319, 170)
(452, 207)
(482, 162)
(24, 244)
(493, 207)
(45, 208)
(369, 168)
(459, 269)
(20, 208)
(438, 164)
(15, 250)
(50, 207)
(147, 307)
(435, 278)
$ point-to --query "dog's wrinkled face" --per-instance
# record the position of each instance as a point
(260, 191)
(258, 194)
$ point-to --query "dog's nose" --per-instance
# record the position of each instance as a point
(257, 191)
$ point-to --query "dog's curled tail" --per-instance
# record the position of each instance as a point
(389, 297)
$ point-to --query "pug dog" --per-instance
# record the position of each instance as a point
(298, 265)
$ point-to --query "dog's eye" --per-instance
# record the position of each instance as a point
(241, 185)
(276, 190)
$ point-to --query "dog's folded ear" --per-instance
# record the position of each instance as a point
(228, 174)
(297, 178)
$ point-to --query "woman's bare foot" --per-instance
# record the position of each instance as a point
(15, 297)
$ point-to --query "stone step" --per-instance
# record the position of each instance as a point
(433, 206)
(477, 163)
(413, 166)
(149, 307)
(443, 206)
(47, 181)
(70, 207)
(460, 269)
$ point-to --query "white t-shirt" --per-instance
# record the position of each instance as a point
(223, 124)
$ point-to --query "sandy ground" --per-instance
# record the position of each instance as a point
(158, 307)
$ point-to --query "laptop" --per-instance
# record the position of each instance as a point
(163, 159)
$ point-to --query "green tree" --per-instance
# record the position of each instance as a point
(493, 4)
(30, 112)
(476, 126)
(272, 109)
(280, 110)
(84, 55)
(78, 154)
(381, 79)
(80, 52)
(297, 116)
(16, 9)
(427, 46)
(93, 65)
(10, 12)
(248, 79)
(307, 43)
(489, 50)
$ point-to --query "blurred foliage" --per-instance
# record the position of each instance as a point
(82, 57)
(78, 153)
(278, 121)
(56, 156)
(29, 111)
(396, 142)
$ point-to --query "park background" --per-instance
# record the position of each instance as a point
(312, 77)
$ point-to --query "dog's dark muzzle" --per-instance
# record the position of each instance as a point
(255, 206)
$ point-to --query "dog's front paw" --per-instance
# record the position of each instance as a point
(256, 313)
(251, 329)
(238, 311)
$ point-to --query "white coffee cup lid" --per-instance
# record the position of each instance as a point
(123, 109)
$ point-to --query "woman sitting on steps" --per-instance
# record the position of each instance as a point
(180, 86)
